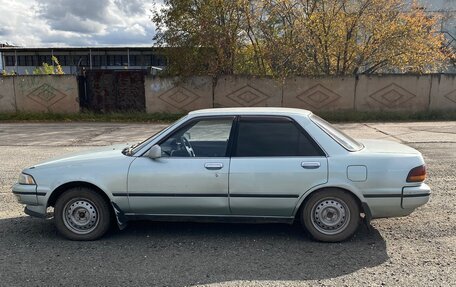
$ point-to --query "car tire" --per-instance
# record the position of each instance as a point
(331, 215)
(82, 214)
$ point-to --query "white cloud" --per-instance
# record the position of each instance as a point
(130, 7)
(42, 23)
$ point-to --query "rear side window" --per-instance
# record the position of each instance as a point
(259, 137)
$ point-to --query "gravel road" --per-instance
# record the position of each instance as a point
(418, 250)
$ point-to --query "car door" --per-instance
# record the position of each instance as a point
(191, 176)
(274, 161)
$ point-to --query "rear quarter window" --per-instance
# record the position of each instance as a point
(339, 136)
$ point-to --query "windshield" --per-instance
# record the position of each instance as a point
(140, 145)
(339, 136)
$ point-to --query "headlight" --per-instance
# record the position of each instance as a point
(26, 179)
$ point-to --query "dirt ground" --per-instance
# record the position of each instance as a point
(418, 250)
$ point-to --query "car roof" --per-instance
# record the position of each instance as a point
(251, 111)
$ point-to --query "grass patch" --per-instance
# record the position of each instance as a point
(137, 117)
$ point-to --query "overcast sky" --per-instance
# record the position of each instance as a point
(43, 23)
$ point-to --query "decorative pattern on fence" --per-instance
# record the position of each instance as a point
(392, 96)
(108, 91)
(53, 93)
(318, 97)
(46, 95)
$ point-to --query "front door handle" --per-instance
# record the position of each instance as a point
(310, 164)
(213, 165)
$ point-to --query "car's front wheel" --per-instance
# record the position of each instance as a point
(331, 215)
(82, 214)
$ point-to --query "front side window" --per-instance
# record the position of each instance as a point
(260, 137)
(202, 138)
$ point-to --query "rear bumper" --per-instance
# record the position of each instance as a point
(415, 196)
(400, 203)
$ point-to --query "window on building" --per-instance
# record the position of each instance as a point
(63, 60)
(44, 59)
(74, 60)
(10, 61)
(140, 60)
(68, 60)
(21, 60)
(103, 60)
(111, 60)
(117, 60)
(82, 60)
(29, 60)
(133, 61)
(124, 60)
(147, 60)
(34, 61)
(41, 60)
(96, 60)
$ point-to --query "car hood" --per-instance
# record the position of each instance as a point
(384, 146)
(84, 156)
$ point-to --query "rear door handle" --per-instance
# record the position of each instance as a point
(213, 165)
(310, 164)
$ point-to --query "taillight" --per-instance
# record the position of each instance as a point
(417, 174)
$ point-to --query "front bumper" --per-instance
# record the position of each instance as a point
(28, 195)
(25, 194)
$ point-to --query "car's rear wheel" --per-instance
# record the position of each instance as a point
(331, 215)
(82, 214)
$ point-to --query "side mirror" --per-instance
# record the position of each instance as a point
(154, 152)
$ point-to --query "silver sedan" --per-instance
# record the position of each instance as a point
(231, 165)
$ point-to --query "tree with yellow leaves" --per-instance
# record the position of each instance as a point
(298, 37)
(201, 36)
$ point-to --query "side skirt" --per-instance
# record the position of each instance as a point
(209, 218)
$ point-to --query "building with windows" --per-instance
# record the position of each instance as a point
(24, 60)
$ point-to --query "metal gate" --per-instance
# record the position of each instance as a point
(112, 91)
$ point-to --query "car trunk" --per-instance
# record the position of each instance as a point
(384, 146)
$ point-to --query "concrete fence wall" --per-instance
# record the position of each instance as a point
(58, 94)
(174, 96)
(7, 98)
(362, 93)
